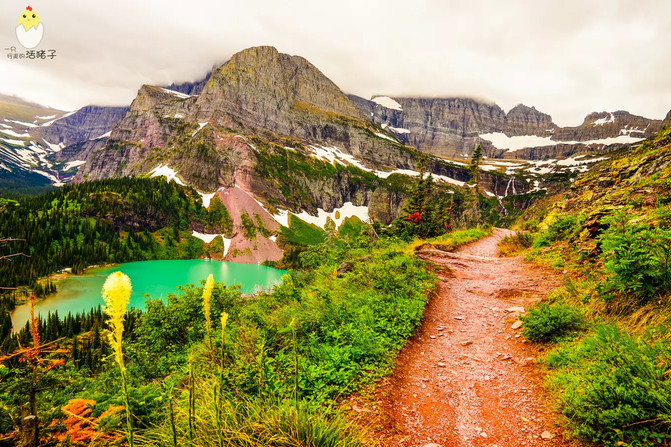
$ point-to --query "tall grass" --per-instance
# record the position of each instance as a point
(254, 422)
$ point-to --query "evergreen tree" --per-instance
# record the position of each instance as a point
(475, 166)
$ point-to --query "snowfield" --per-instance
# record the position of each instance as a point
(168, 173)
(386, 101)
(512, 144)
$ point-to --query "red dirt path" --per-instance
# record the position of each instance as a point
(467, 378)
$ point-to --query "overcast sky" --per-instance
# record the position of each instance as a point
(566, 58)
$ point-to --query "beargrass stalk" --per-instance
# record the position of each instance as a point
(293, 332)
(224, 320)
(172, 423)
(217, 407)
(218, 392)
(207, 294)
(116, 293)
(192, 400)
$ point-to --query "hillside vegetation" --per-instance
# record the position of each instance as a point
(271, 372)
(607, 331)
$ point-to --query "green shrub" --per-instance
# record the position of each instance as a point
(637, 258)
(616, 389)
(302, 233)
(511, 245)
(530, 225)
(565, 227)
(550, 323)
(455, 239)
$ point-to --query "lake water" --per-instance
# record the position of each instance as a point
(156, 278)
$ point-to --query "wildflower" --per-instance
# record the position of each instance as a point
(207, 294)
(116, 293)
(224, 319)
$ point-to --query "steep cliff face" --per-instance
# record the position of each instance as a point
(260, 88)
(667, 120)
(87, 123)
(451, 127)
(439, 126)
(153, 117)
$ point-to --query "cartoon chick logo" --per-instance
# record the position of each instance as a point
(30, 29)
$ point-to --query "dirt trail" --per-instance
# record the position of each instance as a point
(467, 378)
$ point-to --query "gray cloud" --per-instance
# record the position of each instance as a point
(566, 58)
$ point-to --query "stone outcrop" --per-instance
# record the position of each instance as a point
(667, 120)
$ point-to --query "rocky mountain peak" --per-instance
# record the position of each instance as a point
(524, 120)
(262, 87)
(148, 97)
(190, 88)
(667, 120)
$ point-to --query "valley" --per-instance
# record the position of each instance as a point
(287, 264)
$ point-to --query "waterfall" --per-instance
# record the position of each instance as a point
(505, 211)
(512, 180)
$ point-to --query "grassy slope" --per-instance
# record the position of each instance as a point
(607, 329)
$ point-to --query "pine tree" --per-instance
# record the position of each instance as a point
(75, 350)
(475, 166)
(96, 336)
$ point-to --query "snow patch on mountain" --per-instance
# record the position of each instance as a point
(512, 144)
(167, 172)
(386, 137)
(333, 154)
(13, 142)
(338, 215)
(177, 94)
(395, 129)
(74, 164)
(207, 198)
(386, 101)
(11, 133)
(606, 120)
(200, 126)
(105, 135)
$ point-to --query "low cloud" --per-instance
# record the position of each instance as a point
(565, 58)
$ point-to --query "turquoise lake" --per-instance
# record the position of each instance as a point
(156, 278)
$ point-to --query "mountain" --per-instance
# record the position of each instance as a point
(270, 128)
(284, 102)
(452, 127)
(41, 146)
(23, 160)
(87, 123)
(190, 88)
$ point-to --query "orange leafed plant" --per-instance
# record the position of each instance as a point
(34, 354)
(81, 428)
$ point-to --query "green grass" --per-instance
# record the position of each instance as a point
(452, 241)
(302, 233)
